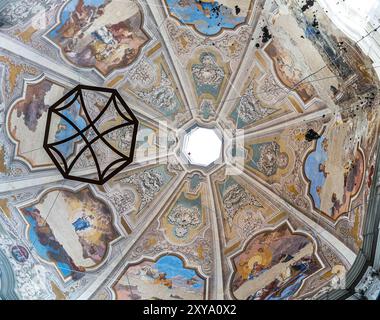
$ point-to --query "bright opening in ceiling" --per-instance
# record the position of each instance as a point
(202, 146)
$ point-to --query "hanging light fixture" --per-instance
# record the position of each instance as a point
(92, 126)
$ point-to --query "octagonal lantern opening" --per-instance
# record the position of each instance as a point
(202, 146)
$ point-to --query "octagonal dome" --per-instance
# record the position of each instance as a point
(256, 165)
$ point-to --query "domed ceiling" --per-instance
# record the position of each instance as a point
(272, 213)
